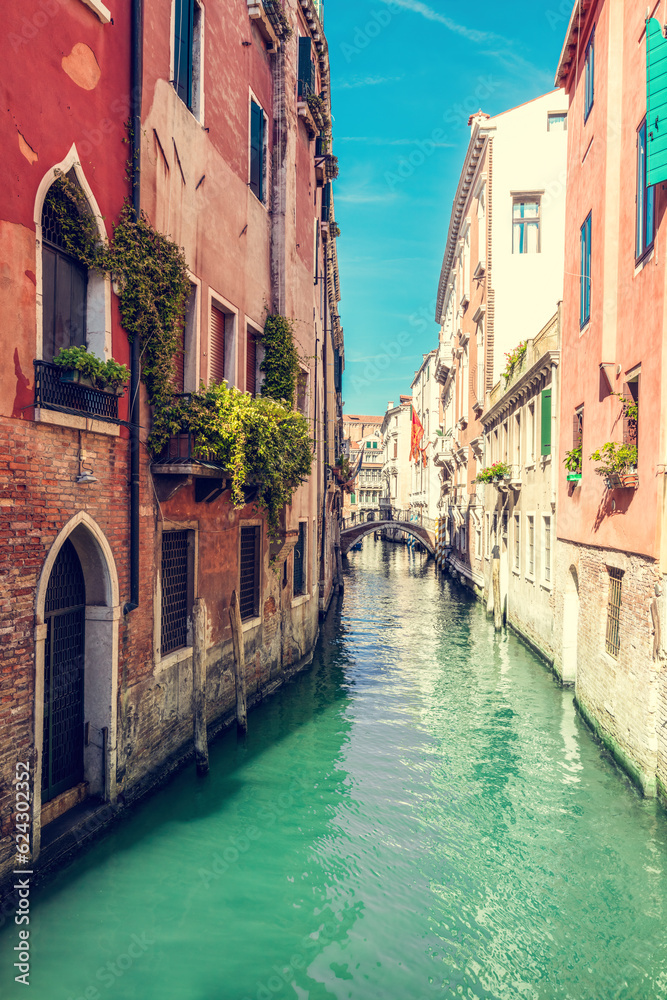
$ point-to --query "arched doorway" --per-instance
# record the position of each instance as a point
(76, 673)
(64, 653)
(570, 627)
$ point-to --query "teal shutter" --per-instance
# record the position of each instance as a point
(326, 201)
(183, 50)
(257, 150)
(656, 102)
(546, 422)
(306, 68)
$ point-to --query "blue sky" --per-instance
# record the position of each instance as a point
(406, 75)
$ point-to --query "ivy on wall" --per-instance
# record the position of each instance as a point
(280, 364)
(259, 438)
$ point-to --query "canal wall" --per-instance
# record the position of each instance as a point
(617, 691)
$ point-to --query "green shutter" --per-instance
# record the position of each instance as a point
(353, 498)
(546, 422)
(257, 150)
(326, 201)
(656, 103)
(306, 69)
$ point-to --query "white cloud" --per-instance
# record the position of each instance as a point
(472, 34)
(369, 81)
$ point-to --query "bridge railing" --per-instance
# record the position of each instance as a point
(400, 515)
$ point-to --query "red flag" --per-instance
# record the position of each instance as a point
(415, 437)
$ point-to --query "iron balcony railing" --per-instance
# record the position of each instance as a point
(51, 393)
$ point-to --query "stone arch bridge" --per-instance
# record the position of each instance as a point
(414, 523)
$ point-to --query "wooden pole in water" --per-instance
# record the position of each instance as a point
(199, 685)
(495, 576)
(239, 662)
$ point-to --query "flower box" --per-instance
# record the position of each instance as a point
(73, 375)
(573, 477)
(619, 480)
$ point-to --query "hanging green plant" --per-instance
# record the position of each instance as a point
(318, 109)
(256, 438)
(280, 364)
(151, 275)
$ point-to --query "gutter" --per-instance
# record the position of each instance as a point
(135, 379)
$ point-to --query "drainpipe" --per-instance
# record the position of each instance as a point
(135, 399)
(325, 332)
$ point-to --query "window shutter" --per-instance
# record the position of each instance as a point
(216, 347)
(576, 431)
(183, 50)
(257, 150)
(249, 572)
(546, 422)
(251, 364)
(326, 201)
(179, 360)
(305, 67)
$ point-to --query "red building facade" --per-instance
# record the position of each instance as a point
(233, 164)
(610, 554)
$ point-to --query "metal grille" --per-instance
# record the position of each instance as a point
(613, 637)
(51, 227)
(547, 549)
(62, 756)
(300, 561)
(249, 572)
(174, 614)
(51, 393)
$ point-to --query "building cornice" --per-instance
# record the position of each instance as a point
(476, 147)
(572, 41)
(542, 366)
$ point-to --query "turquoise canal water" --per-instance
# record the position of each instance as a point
(420, 815)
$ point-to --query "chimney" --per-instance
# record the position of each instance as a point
(390, 404)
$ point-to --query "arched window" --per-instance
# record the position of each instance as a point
(64, 280)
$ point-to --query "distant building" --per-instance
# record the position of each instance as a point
(520, 431)
(502, 275)
(364, 433)
(425, 478)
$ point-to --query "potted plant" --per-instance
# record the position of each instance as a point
(513, 360)
(618, 464)
(113, 377)
(77, 365)
(572, 462)
(496, 473)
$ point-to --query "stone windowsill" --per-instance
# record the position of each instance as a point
(76, 422)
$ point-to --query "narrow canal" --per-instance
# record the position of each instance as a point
(421, 814)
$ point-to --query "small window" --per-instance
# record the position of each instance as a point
(589, 92)
(187, 54)
(478, 543)
(300, 563)
(176, 589)
(530, 435)
(395, 449)
(531, 545)
(517, 542)
(257, 150)
(585, 279)
(353, 498)
(302, 392)
(306, 79)
(631, 410)
(645, 223)
(517, 440)
(249, 571)
(64, 281)
(557, 122)
(613, 636)
(546, 548)
(526, 224)
(545, 448)
(488, 535)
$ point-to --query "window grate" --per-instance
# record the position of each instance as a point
(62, 748)
(613, 637)
(174, 615)
(300, 561)
(249, 572)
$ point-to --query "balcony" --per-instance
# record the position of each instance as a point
(177, 458)
(52, 393)
(270, 20)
